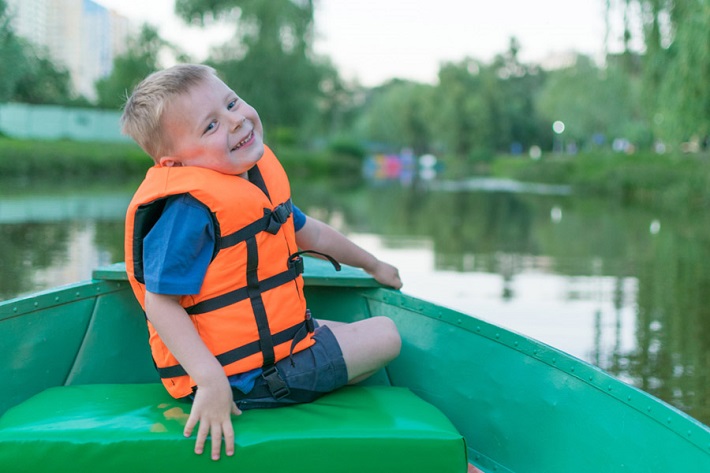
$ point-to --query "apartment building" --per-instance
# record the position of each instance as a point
(80, 35)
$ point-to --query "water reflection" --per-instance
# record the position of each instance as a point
(54, 239)
(595, 279)
(591, 277)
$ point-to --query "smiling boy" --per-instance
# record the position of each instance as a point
(212, 254)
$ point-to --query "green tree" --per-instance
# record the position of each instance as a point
(11, 56)
(516, 118)
(464, 118)
(270, 62)
(141, 58)
(684, 99)
(43, 82)
(593, 101)
(676, 65)
(399, 114)
(32, 76)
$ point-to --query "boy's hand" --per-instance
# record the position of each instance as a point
(386, 274)
(212, 409)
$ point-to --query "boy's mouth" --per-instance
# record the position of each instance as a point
(244, 141)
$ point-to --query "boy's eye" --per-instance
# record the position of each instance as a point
(232, 104)
(210, 126)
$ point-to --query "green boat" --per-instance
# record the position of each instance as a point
(81, 394)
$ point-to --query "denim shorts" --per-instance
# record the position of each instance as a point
(308, 374)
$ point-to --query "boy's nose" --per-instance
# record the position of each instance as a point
(237, 122)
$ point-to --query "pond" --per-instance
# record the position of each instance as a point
(622, 288)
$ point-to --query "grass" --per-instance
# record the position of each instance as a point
(22, 160)
(668, 181)
(32, 161)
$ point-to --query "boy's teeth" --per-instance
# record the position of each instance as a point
(241, 143)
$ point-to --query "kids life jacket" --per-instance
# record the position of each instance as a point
(251, 311)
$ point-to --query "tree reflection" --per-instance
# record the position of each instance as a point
(25, 247)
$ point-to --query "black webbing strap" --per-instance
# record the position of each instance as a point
(296, 258)
(232, 297)
(271, 222)
(257, 303)
(238, 353)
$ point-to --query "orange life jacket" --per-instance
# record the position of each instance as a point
(251, 311)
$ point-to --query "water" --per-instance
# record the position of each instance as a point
(623, 288)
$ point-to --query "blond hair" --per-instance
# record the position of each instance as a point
(143, 111)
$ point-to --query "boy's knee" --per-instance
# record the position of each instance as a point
(390, 336)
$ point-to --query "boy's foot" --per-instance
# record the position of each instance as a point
(473, 469)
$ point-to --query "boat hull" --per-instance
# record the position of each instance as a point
(521, 405)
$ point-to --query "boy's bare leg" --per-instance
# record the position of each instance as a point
(367, 345)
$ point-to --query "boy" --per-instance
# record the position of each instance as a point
(212, 255)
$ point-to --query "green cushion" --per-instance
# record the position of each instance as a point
(138, 427)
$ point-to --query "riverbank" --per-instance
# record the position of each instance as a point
(24, 161)
(674, 182)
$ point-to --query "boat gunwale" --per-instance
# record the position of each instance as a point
(58, 296)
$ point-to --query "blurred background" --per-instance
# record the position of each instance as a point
(540, 165)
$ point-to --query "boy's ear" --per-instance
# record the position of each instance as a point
(169, 161)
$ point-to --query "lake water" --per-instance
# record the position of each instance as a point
(623, 288)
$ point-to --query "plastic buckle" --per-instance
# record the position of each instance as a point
(296, 264)
(310, 323)
(282, 212)
(277, 386)
(277, 217)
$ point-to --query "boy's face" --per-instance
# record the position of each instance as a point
(211, 127)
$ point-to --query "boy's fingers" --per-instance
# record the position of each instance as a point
(202, 433)
(228, 432)
(216, 435)
(189, 425)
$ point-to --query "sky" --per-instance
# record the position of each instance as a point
(372, 41)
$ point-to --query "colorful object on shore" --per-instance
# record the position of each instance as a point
(76, 364)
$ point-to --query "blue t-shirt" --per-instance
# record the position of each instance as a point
(178, 250)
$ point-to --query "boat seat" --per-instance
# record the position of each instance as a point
(138, 427)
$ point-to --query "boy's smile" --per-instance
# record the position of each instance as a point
(211, 127)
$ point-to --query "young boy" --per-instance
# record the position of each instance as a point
(212, 244)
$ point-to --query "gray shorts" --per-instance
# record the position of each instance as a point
(309, 374)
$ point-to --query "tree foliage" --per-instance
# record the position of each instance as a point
(28, 74)
(11, 52)
(594, 103)
(398, 114)
(676, 65)
(475, 111)
(141, 58)
(270, 61)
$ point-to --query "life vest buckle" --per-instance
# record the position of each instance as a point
(277, 386)
(278, 217)
(310, 323)
(295, 264)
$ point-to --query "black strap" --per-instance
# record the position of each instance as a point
(271, 222)
(297, 260)
(232, 297)
(257, 303)
(254, 176)
(240, 352)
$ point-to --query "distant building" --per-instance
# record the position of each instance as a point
(80, 35)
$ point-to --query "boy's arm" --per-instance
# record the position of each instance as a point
(213, 401)
(318, 236)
